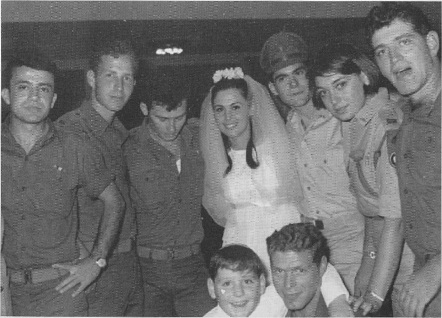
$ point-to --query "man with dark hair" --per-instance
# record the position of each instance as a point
(166, 172)
(43, 169)
(111, 76)
(321, 154)
(298, 259)
(405, 49)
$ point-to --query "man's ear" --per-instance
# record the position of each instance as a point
(364, 78)
(263, 283)
(6, 96)
(90, 75)
(144, 109)
(323, 265)
(54, 98)
(211, 288)
(272, 88)
(432, 40)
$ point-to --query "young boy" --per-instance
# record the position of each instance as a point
(237, 281)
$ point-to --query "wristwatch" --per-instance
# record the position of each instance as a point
(101, 262)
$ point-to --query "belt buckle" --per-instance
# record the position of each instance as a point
(27, 275)
(171, 253)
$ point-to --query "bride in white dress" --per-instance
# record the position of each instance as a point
(250, 186)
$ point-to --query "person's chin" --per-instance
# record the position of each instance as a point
(240, 310)
(299, 102)
(168, 138)
(293, 304)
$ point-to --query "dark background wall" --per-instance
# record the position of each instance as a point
(213, 34)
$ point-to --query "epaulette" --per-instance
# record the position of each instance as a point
(390, 116)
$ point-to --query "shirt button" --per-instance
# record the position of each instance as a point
(317, 211)
(325, 161)
(305, 165)
(308, 188)
(23, 188)
(405, 191)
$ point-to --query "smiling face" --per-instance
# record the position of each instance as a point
(291, 85)
(238, 292)
(343, 95)
(112, 84)
(296, 277)
(31, 94)
(232, 115)
(167, 125)
(405, 57)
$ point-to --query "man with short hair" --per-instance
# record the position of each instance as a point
(298, 259)
(111, 75)
(321, 156)
(166, 172)
(43, 169)
(405, 49)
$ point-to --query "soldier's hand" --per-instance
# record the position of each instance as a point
(82, 273)
(420, 289)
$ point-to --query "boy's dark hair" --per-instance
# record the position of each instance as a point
(387, 12)
(236, 258)
(35, 60)
(241, 85)
(299, 237)
(114, 47)
(343, 58)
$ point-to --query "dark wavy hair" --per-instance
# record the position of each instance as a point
(35, 60)
(343, 58)
(299, 237)
(241, 85)
(387, 12)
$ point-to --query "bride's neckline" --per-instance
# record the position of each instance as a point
(237, 150)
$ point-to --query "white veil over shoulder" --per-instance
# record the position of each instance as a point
(273, 148)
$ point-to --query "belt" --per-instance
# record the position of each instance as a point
(122, 247)
(168, 254)
(35, 276)
(125, 246)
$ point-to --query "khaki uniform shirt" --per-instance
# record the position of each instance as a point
(167, 202)
(108, 140)
(415, 150)
(375, 180)
(321, 161)
(39, 196)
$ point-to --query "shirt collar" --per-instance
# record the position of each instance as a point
(97, 123)
(372, 105)
(424, 110)
(51, 133)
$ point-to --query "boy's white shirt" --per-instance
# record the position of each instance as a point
(264, 309)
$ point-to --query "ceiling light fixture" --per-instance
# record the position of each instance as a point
(169, 51)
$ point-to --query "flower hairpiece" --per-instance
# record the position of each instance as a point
(229, 73)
